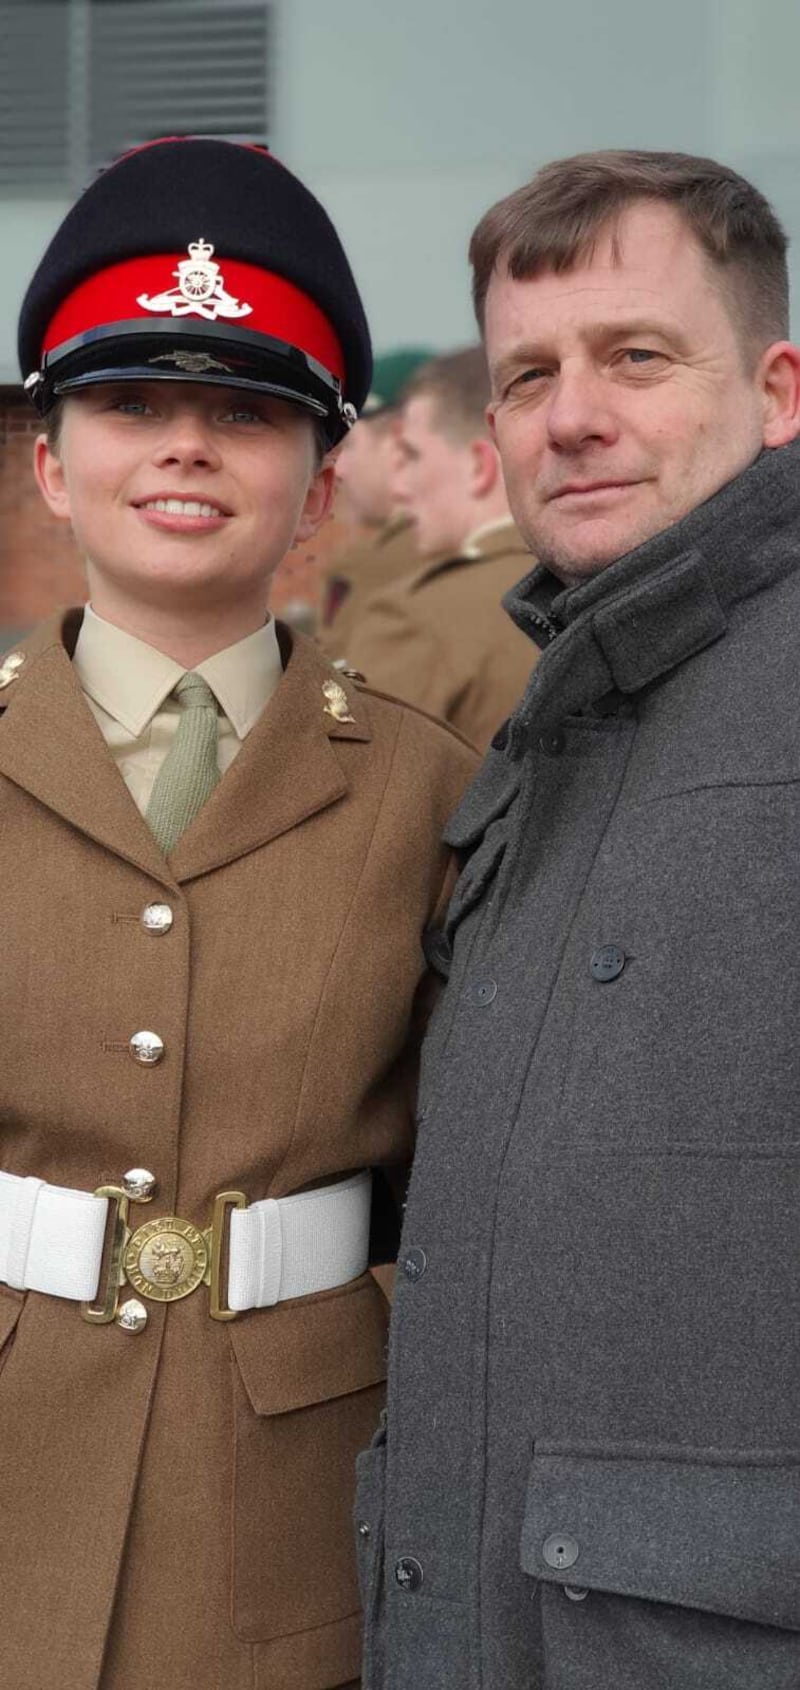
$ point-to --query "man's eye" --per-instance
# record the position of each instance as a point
(129, 407)
(640, 354)
(526, 378)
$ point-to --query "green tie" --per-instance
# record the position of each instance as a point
(189, 772)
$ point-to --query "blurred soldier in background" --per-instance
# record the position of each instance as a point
(439, 637)
(366, 468)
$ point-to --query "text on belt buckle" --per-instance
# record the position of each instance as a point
(166, 1259)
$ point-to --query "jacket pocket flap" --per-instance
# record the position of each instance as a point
(312, 1349)
(721, 1534)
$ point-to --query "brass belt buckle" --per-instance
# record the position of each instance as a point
(101, 1314)
(164, 1259)
(218, 1309)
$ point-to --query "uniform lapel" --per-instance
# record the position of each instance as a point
(286, 771)
(51, 746)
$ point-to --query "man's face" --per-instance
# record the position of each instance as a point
(365, 467)
(621, 396)
(433, 479)
(180, 493)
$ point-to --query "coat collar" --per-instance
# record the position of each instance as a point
(501, 540)
(661, 603)
(286, 771)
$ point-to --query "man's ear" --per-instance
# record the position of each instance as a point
(779, 380)
(49, 472)
(485, 467)
(318, 500)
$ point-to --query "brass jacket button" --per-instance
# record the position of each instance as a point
(132, 1316)
(157, 918)
(147, 1048)
(139, 1184)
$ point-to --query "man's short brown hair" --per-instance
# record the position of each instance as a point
(553, 223)
(458, 386)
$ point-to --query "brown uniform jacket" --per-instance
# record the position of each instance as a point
(358, 572)
(440, 638)
(175, 1504)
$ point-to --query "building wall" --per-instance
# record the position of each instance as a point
(409, 121)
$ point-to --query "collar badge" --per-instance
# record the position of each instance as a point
(200, 291)
(337, 704)
(10, 667)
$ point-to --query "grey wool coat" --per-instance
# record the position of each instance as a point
(590, 1476)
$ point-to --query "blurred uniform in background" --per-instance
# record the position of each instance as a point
(366, 468)
(439, 637)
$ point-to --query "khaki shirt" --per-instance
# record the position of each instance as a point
(127, 685)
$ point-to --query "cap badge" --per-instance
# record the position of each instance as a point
(200, 291)
(194, 363)
(337, 704)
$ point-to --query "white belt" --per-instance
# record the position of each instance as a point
(52, 1239)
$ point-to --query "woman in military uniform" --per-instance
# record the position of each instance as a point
(219, 857)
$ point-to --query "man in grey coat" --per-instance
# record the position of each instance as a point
(591, 1474)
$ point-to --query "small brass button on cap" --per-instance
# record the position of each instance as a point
(607, 962)
(139, 1184)
(132, 1316)
(560, 1550)
(157, 918)
(147, 1048)
(409, 1573)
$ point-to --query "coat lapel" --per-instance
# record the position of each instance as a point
(286, 771)
(51, 746)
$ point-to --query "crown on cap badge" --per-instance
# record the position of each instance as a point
(200, 291)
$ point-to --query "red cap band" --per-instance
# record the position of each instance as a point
(204, 289)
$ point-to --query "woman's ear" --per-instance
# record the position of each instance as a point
(318, 500)
(49, 472)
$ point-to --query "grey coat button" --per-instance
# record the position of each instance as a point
(575, 1592)
(553, 743)
(157, 918)
(560, 1550)
(414, 1263)
(363, 1528)
(408, 1573)
(607, 962)
(147, 1048)
(485, 992)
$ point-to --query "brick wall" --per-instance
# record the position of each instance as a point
(39, 565)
